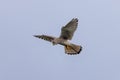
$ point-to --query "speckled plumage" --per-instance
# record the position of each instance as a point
(67, 33)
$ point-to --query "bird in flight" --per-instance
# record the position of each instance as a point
(67, 32)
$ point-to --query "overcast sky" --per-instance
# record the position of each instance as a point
(24, 57)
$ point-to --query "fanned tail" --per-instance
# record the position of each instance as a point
(73, 49)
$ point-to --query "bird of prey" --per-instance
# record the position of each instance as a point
(67, 32)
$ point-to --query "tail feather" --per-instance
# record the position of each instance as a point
(73, 49)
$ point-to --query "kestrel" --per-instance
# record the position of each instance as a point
(67, 32)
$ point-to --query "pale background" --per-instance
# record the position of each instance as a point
(23, 57)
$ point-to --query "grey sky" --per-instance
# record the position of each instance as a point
(23, 57)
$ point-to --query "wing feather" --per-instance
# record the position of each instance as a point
(68, 30)
(45, 37)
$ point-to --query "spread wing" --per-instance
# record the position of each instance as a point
(45, 37)
(68, 30)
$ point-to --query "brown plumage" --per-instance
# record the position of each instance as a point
(67, 33)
